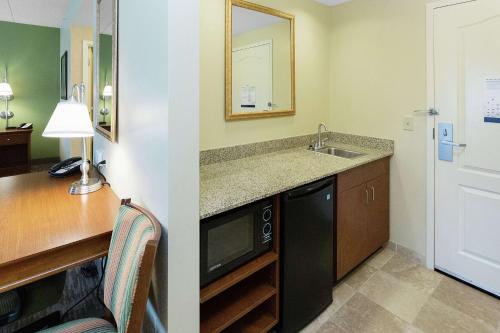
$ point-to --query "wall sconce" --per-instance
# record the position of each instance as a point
(6, 95)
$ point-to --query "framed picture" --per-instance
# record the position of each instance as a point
(64, 76)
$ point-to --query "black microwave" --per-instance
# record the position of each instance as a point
(231, 239)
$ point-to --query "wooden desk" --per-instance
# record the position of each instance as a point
(44, 230)
(15, 151)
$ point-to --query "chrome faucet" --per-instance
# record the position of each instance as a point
(321, 142)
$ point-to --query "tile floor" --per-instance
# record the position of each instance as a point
(393, 293)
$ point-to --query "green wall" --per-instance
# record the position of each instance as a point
(31, 54)
(105, 70)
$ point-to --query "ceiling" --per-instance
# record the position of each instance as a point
(247, 20)
(48, 13)
(54, 13)
(332, 2)
(106, 16)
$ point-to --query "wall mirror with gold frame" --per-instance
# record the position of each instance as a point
(106, 83)
(260, 61)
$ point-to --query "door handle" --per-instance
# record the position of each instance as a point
(367, 197)
(454, 144)
(373, 192)
(430, 112)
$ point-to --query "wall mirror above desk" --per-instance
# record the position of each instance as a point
(105, 87)
(260, 70)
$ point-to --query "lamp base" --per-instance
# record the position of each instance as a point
(93, 184)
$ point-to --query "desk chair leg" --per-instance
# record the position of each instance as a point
(50, 320)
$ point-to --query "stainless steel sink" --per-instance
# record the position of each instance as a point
(344, 153)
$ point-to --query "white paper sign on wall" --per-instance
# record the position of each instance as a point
(248, 97)
(492, 101)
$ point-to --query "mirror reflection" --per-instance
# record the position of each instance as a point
(47, 47)
(106, 69)
(261, 56)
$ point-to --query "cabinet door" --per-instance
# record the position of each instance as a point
(351, 229)
(378, 213)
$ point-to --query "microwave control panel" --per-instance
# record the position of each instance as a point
(267, 227)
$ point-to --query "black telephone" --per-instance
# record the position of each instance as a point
(66, 167)
(25, 126)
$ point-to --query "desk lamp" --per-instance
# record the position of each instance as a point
(71, 120)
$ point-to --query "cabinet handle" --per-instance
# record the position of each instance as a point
(373, 192)
(367, 196)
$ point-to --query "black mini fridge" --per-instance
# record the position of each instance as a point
(307, 253)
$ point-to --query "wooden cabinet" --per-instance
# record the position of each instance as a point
(362, 214)
(377, 217)
(15, 152)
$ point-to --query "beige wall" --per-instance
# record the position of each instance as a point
(378, 76)
(361, 67)
(312, 79)
(78, 35)
(280, 35)
(72, 147)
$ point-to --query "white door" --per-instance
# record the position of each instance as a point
(467, 89)
(253, 78)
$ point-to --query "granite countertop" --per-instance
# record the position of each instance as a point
(229, 184)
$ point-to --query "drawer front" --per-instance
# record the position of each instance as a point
(12, 171)
(13, 139)
(362, 174)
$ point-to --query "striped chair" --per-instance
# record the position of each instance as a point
(128, 274)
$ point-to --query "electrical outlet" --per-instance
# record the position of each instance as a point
(408, 124)
(99, 156)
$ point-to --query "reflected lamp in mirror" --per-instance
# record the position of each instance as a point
(71, 119)
(260, 61)
(107, 93)
(6, 94)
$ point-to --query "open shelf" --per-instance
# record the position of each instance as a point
(260, 320)
(225, 282)
(228, 307)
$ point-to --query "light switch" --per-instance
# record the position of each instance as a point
(408, 124)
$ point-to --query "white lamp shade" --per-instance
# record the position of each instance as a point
(69, 120)
(5, 90)
(107, 91)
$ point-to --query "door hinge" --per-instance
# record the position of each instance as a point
(434, 133)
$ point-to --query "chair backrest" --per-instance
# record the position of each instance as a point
(130, 262)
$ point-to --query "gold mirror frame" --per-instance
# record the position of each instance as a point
(229, 63)
(113, 134)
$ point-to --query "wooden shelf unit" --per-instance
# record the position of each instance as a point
(236, 276)
(247, 299)
(258, 321)
(224, 310)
